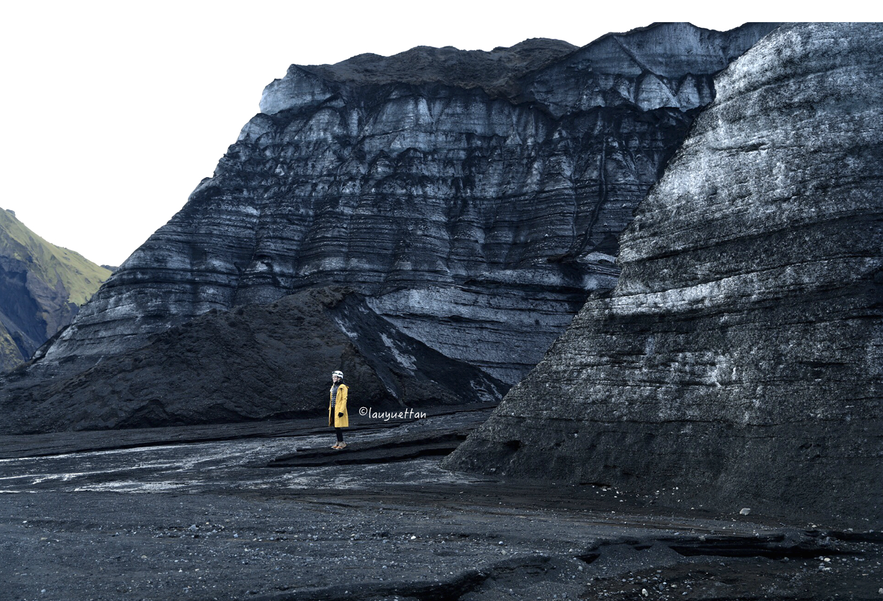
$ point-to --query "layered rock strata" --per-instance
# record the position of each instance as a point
(474, 199)
(737, 364)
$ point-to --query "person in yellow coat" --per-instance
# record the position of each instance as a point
(337, 415)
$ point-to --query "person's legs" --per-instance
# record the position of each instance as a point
(339, 434)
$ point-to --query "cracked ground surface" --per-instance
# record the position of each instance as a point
(268, 511)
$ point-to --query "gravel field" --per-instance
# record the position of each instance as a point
(203, 515)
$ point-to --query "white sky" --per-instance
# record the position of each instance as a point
(112, 112)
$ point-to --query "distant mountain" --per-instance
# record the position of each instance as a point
(42, 287)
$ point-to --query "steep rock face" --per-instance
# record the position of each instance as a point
(475, 198)
(41, 289)
(255, 362)
(468, 204)
(738, 361)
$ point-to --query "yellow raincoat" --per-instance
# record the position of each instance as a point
(333, 418)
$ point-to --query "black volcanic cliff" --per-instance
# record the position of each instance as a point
(470, 200)
(738, 362)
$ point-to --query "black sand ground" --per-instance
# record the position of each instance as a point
(268, 511)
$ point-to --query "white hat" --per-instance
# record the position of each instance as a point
(338, 374)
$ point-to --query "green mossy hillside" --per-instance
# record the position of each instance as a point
(42, 287)
(79, 276)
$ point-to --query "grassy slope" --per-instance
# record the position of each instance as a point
(9, 354)
(80, 277)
